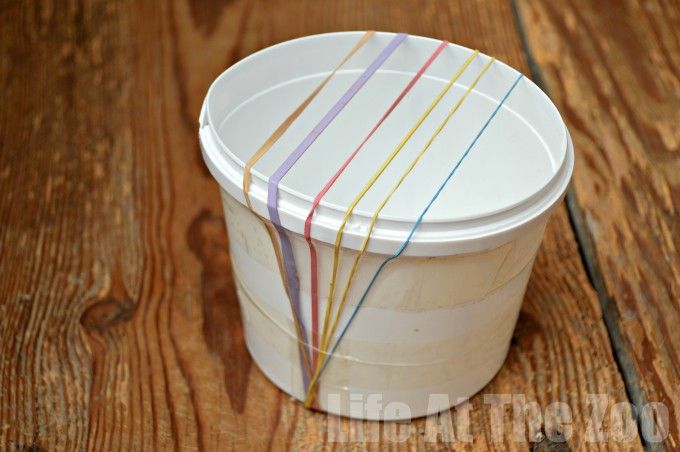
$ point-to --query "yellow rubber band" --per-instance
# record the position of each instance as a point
(324, 345)
(374, 219)
(374, 178)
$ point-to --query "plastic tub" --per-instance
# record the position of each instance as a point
(438, 319)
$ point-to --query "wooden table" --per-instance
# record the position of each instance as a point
(119, 326)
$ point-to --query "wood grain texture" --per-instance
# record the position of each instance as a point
(119, 326)
(619, 92)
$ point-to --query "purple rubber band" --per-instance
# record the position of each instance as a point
(275, 179)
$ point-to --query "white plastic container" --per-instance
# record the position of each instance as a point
(439, 319)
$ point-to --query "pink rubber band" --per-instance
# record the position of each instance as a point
(329, 184)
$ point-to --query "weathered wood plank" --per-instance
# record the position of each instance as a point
(619, 91)
(119, 326)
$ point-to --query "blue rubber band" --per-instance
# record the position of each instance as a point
(416, 224)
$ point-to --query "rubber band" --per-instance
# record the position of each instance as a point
(304, 358)
(283, 169)
(329, 184)
(315, 379)
(285, 125)
(277, 176)
(374, 178)
(263, 149)
(364, 244)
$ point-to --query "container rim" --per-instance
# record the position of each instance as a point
(439, 236)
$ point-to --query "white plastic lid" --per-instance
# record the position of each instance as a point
(517, 171)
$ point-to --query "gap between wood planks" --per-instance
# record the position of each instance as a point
(587, 251)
